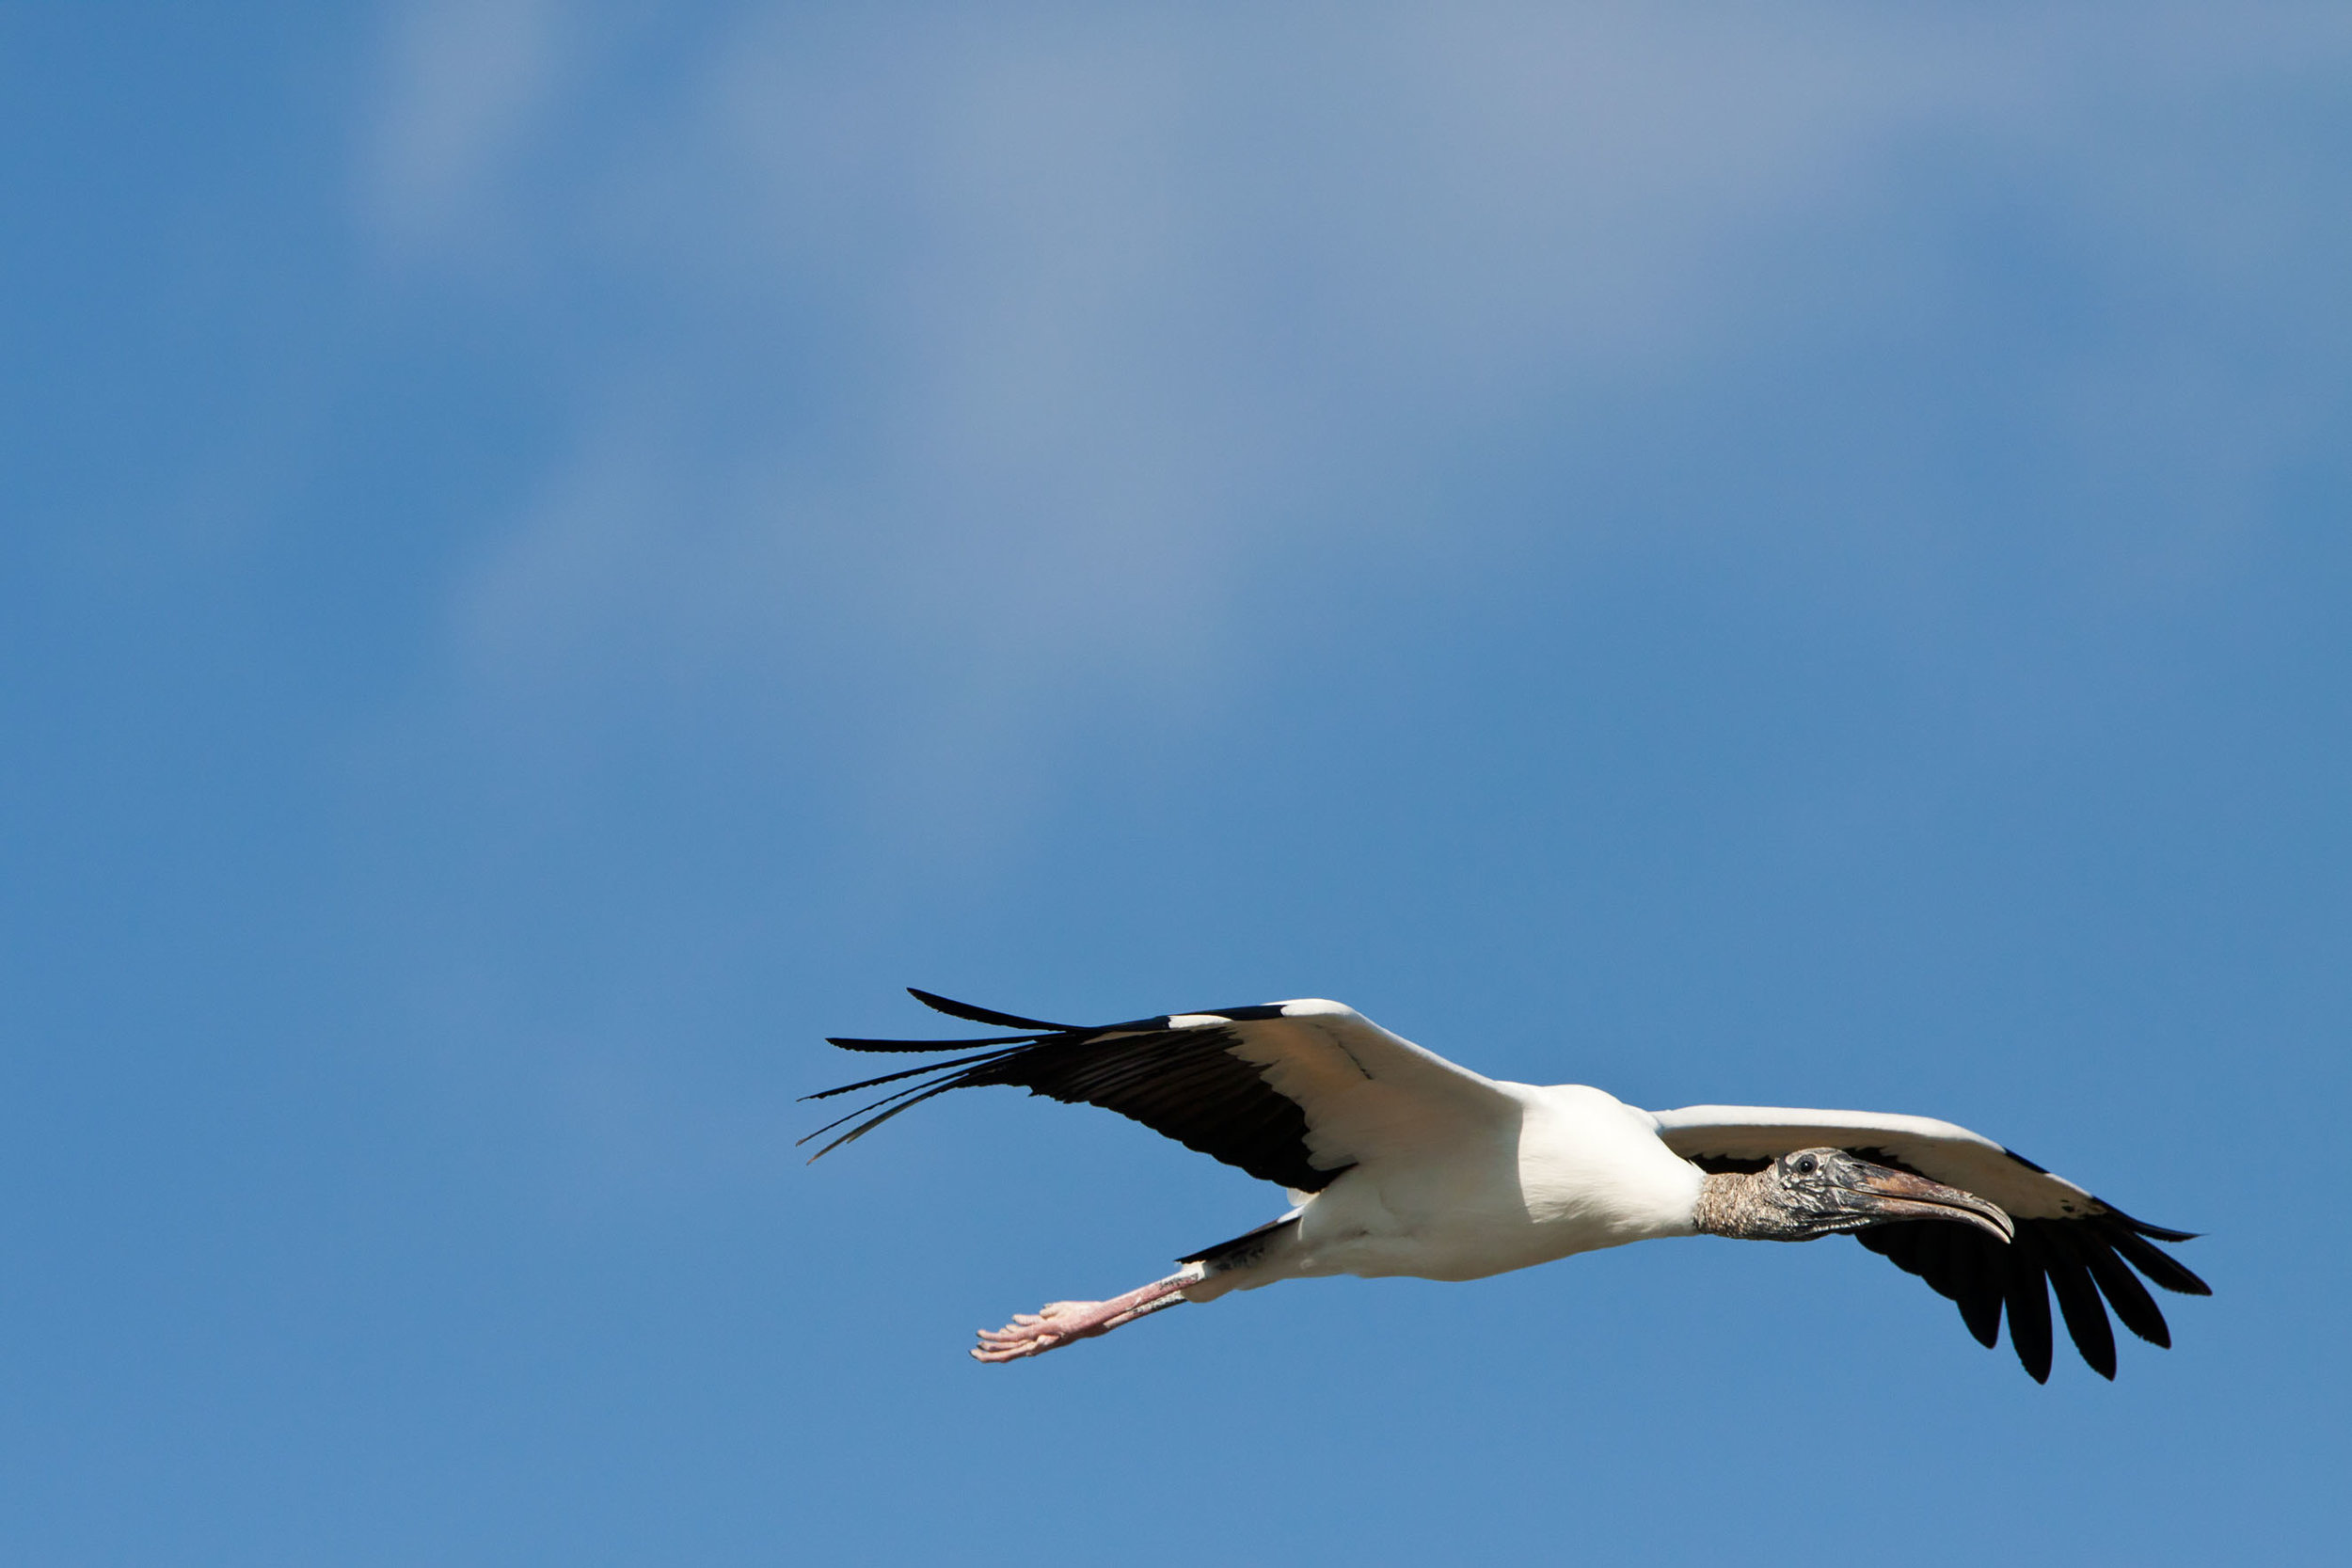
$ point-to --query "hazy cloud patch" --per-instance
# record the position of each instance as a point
(1008, 352)
(465, 87)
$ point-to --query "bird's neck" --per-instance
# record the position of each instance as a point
(1736, 1203)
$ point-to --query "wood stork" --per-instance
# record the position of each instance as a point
(1399, 1161)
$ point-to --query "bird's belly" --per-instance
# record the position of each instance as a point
(1360, 1228)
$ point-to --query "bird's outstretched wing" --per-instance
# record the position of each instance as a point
(2083, 1248)
(1292, 1092)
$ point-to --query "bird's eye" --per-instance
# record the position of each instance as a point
(1805, 1165)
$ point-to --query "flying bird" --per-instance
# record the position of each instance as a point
(1399, 1161)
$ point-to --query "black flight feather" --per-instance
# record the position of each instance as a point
(2028, 1306)
(2160, 1267)
(1182, 1083)
(2078, 1301)
(847, 1043)
(2074, 1259)
(970, 1013)
(2125, 1294)
(909, 1073)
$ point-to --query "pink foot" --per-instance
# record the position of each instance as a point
(1060, 1322)
(1035, 1333)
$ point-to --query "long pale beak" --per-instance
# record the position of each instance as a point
(1897, 1194)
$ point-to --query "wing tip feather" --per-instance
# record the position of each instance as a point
(972, 1014)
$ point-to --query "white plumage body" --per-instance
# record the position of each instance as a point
(1573, 1170)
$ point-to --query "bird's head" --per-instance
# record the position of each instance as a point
(1819, 1192)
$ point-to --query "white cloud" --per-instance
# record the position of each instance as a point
(1005, 344)
(465, 86)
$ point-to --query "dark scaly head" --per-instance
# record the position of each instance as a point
(1821, 1192)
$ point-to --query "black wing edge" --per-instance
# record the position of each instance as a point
(951, 1077)
(2087, 1261)
(971, 1014)
(1182, 1083)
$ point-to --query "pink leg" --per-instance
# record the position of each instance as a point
(1060, 1322)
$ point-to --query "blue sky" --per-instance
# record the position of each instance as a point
(557, 553)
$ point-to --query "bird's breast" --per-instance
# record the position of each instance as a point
(1592, 1171)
